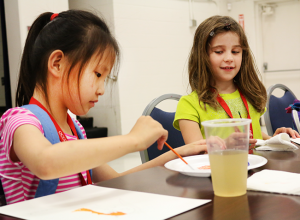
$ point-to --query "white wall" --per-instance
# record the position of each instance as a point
(20, 14)
(104, 8)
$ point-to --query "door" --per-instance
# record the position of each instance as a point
(281, 44)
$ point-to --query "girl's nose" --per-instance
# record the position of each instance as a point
(101, 89)
(228, 57)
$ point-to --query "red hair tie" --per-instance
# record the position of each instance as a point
(54, 15)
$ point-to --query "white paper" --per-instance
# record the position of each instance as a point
(280, 142)
(275, 181)
(296, 140)
(135, 205)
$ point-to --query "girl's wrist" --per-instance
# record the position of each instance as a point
(164, 158)
(133, 142)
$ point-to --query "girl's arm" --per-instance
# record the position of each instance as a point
(292, 133)
(49, 161)
(105, 172)
(265, 136)
(190, 131)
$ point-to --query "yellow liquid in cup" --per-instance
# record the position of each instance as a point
(229, 172)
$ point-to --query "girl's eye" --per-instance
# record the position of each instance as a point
(98, 75)
(235, 51)
(218, 52)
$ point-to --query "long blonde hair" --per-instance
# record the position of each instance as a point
(200, 71)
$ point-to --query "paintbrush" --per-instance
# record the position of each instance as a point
(249, 144)
(240, 114)
(178, 155)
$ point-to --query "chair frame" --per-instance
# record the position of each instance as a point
(296, 119)
(267, 115)
(147, 111)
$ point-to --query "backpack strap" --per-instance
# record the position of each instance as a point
(45, 187)
(47, 124)
(80, 136)
(48, 187)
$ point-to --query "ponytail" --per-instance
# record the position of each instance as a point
(27, 77)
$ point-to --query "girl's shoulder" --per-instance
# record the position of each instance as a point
(192, 97)
(17, 111)
(18, 116)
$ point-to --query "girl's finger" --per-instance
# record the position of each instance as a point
(161, 141)
(290, 132)
(217, 142)
(236, 129)
(252, 141)
(251, 146)
(221, 143)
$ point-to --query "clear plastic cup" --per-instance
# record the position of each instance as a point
(228, 144)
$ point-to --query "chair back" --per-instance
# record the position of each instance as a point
(276, 116)
(166, 120)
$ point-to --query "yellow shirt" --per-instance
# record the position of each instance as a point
(189, 108)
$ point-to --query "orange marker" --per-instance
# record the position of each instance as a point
(178, 155)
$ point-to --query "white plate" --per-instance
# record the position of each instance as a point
(203, 160)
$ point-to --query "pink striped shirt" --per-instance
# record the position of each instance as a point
(19, 183)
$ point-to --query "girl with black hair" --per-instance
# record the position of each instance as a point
(66, 60)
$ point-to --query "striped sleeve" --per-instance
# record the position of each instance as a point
(10, 121)
(18, 182)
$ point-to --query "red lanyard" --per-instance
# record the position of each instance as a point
(62, 135)
(227, 110)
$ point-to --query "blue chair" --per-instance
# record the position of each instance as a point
(175, 138)
(276, 116)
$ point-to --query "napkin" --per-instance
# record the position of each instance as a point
(280, 142)
(296, 140)
(275, 181)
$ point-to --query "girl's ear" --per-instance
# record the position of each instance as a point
(56, 63)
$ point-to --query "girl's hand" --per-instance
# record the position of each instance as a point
(252, 143)
(237, 140)
(194, 148)
(216, 142)
(146, 131)
(292, 133)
